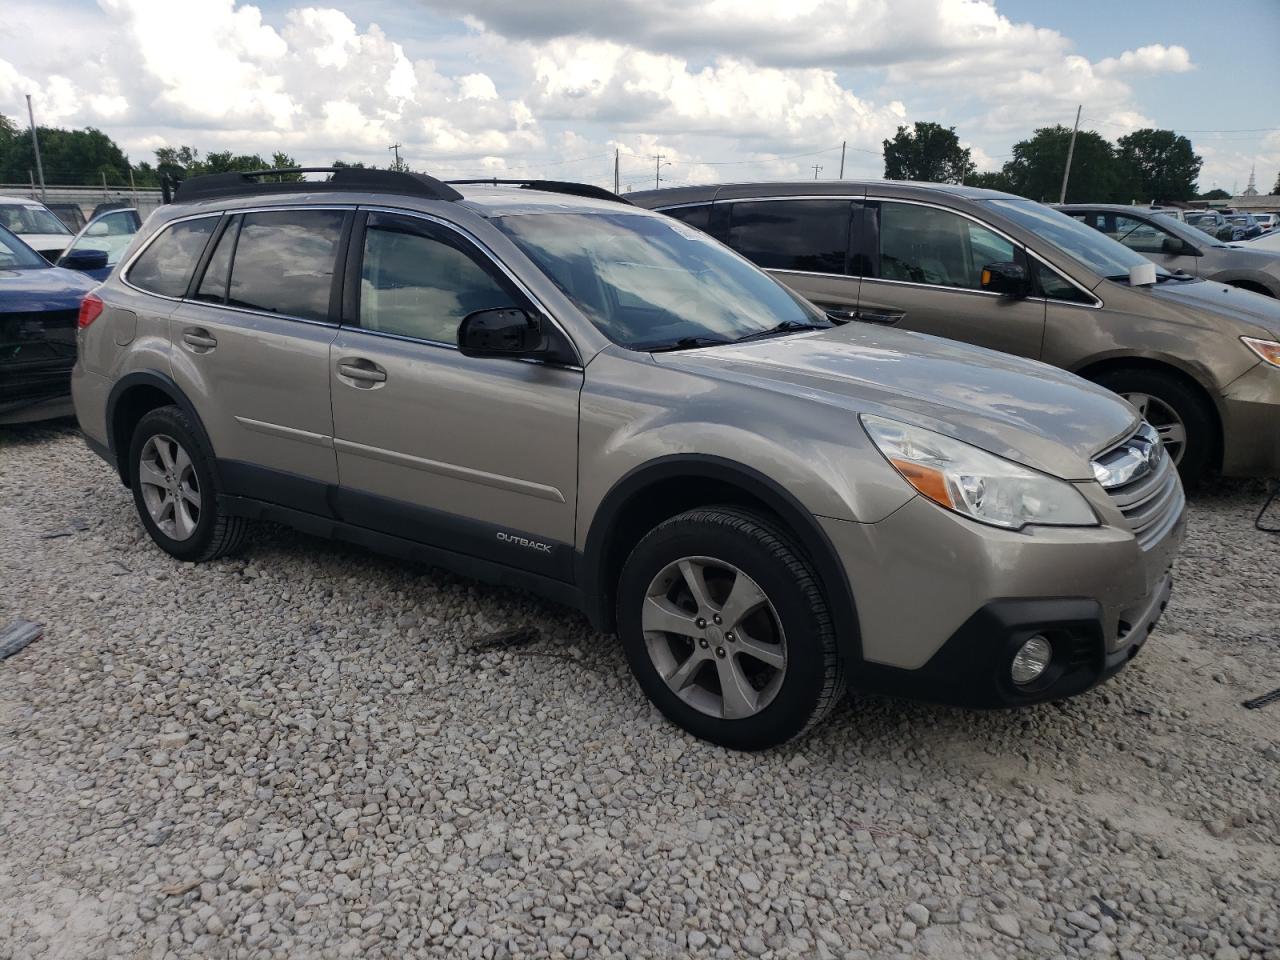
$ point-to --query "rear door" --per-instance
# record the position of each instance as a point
(251, 350)
(923, 266)
(476, 456)
(804, 242)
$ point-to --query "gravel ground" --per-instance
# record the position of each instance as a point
(301, 752)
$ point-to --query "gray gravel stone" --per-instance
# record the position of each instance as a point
(341, 774)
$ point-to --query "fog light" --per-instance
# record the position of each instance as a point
(1031, 660)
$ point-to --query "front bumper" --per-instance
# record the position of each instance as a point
(943, 603)
(1251, 424)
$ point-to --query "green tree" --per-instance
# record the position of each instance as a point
(1035, 170)
(68, 156)
(1161, 163)
(929, 152)
(1276, 189)
(184, 161)
(1216, 194)
(991, 180)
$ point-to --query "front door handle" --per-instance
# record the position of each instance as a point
(841, 314)
(198, 339)
(362, 373)
(886, 318)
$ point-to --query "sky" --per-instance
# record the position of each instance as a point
(723, 90)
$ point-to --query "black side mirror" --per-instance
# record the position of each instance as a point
(1007, 279)
(1176, 246)
(84, 260)
(503, 332)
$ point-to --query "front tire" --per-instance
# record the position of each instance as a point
(1187, 426)
(727, 631)
(175, 492)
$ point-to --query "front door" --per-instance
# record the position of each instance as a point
(923, 272)
(251, 350)
(477, 456)
(1148, 238)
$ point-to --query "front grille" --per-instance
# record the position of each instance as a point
(1152, 503)
(37, 352)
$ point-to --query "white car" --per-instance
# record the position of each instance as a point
(1267, 221)
(36, 224)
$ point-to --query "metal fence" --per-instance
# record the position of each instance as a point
(145, 199)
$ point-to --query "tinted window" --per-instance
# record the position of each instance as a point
(1139, 235)
(213, 285)
(1055, 286)
(166, 265)
(417, 286)
(698, 215)
(926, 245)
(284, 262)
(810, 235)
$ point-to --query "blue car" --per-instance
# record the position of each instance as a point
(98, 247)
(39, 306)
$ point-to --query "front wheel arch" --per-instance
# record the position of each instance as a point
(667, 486)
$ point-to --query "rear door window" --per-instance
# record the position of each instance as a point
(284, 262)
(920, 244)
(810, 236)
(166, 265)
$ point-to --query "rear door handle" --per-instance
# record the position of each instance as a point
(886, 318)
(362, 373)
(198, 339)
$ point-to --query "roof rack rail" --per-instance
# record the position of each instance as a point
(341, 179)
(553, 186)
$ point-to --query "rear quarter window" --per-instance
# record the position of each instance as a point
(166, 265)
(803, 235)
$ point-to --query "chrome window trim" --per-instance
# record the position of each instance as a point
(486, 254)
(809, 273)
(444, 345)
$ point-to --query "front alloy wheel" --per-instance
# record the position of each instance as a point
(726, 628)
(714, 637)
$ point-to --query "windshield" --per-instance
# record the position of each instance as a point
(30, 218)
(1095, 250)
(651, 282)
(16, 255)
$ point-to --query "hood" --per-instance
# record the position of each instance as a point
(1022, 410)
(42, 288)
(44, 242)
(1202, 302)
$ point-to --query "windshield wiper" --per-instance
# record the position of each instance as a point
(687, 343)
(786, 326)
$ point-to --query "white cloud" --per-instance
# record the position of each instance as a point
(1155, 58)
(528, 87)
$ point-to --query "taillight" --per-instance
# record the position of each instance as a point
(90, 309)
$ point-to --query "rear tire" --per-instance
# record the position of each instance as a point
(171, 475)
(1186, 423)
(764, 673)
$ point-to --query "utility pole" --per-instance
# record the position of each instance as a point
(816, 168)
(842, 146)
(659, 161)
(1070, 153)
(396, 147)
(35, 144)
(132, 189)
(615, 169)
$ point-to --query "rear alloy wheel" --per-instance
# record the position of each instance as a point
(170, 487)
(726, 629)
(175, 490)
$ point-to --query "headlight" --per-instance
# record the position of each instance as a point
(1268, 350)
(975, 483)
